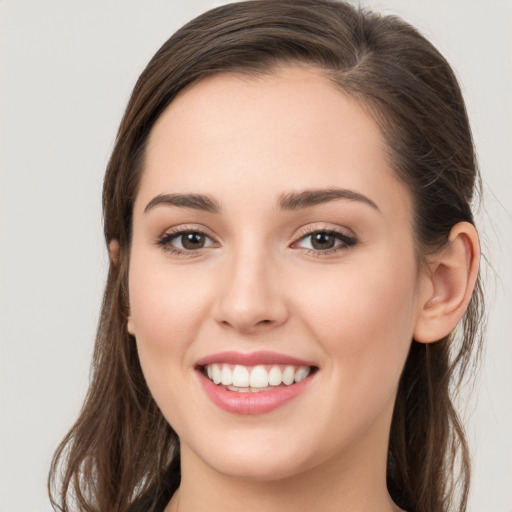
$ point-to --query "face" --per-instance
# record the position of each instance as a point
(273, 284)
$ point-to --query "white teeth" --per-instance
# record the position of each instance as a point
(301, 373)
(240, 376)
(226, 377)
(275, 376)
(216, 374)
(251, 389)
(258, 378)
(289, 375)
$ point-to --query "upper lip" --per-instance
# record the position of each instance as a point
(252, 359)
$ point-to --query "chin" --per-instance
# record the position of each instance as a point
(259, 458)
(259, 469)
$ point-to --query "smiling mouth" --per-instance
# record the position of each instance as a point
(255, 379)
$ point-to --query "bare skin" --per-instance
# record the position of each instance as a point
(257, 279)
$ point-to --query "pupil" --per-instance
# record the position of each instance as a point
(323, 241)
(192, 240)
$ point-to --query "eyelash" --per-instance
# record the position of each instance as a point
(165, 241)
(346, 241)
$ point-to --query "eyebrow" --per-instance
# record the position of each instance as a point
(195, 201)
(289, 201)
(308, 198)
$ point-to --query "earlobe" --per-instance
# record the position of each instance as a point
(113, 251)
(114, 254)
(129, 325)
(449, 285)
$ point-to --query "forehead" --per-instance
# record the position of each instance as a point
(267, 134)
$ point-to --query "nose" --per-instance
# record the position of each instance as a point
(252, 297)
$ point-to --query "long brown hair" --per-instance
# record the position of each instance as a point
(121, 454)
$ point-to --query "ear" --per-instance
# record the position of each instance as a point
(447, 288)
(129, 325)
(113, 252)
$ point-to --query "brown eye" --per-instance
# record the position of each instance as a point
(322, 241)
(191, 241)
(183, 242)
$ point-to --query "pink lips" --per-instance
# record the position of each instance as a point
(251, 403)
(252, 359)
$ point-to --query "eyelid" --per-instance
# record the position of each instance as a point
(348, 239)
(346, 236)
(186, 228)
(174, 232)
(327, 228)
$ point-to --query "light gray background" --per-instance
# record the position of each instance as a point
(67, 68)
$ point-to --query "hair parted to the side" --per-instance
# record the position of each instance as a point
(121, 454)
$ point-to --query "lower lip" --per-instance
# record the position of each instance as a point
(251, 403)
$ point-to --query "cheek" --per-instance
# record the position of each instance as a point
(364, 319)
(164, 305)
(363, 322)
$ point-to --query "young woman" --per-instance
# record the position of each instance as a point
(288, 216)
